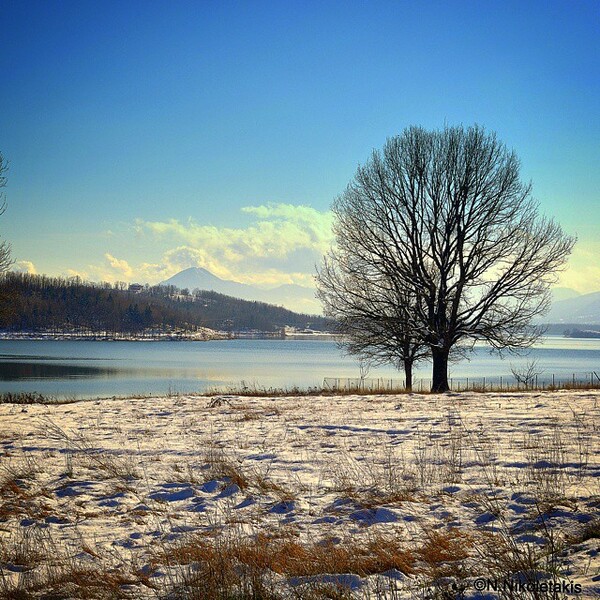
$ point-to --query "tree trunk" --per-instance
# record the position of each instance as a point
(440, 370)
(408, 365)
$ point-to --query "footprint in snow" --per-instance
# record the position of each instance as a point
(370, 516)
(283, 507)
(210, 486)
(172, 496)
(229, 491)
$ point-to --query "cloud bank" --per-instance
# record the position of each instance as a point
(24, 266)
(280, 244)
(583, 270)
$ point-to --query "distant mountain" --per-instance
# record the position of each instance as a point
(568, 306)
(584, 309)
(196, 278)
(293, 297)
(563, 293)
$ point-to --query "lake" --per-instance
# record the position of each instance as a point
(85, 369)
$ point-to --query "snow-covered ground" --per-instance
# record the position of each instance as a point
(396, 496)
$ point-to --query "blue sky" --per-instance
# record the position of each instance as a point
(147, 137)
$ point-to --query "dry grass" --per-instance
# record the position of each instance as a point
(444, 552)
(268, 567)
(221, 396)
(20, 495)
(288, 557)
(504, 559)
(587, 531)
(34, 565)
(234, 568)
(381, 477)
(216, 569)
(267, 486)
(218, 465)
(112, 466)
(32, 398)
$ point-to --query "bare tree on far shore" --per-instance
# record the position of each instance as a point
(443, 218)
(5, 259)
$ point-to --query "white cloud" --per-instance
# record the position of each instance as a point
(583, 270)
(281, 245)
(74, 273)
(279, 230)
(120, 266)
(184, 257)
(24, 266)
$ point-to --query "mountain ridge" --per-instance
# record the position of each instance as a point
(568, 305)
(290, 295)
(584, 309)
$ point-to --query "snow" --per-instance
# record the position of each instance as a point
(122, 477)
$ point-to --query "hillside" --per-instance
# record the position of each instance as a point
(293, 297)
(583, 309)
(39, 303)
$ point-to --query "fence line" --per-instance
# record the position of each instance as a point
(462, 384)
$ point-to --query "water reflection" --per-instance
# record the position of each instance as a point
(23, 371)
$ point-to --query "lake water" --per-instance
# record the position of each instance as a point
(85, 369)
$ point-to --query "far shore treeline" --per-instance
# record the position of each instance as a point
(35, 303)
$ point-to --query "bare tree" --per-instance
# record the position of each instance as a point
(527, 374)
(444, 217)
(5, 260)
(375, 319)
(364, 368)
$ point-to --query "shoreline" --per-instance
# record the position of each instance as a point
(201, 336)
(176, 337)
(222, 397)
(206, 335)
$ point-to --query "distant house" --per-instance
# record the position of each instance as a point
(136, 288)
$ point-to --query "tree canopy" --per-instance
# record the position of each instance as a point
(443, 218)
